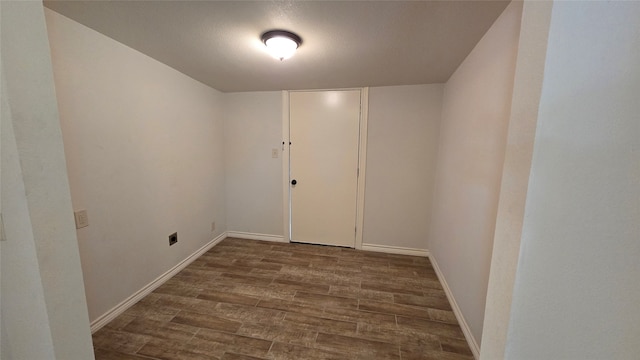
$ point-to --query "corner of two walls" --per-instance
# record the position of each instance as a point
(252, 129)
(576, 286)
(402, 143)
(43, 313)
(527, 88)
(145, 158)
(475, 117)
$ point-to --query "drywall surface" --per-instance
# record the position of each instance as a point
(252, 129)
(402, 143)
(576, 292)
(145, 157)
(26, 333)
(473, 131)
(403, 127)
(44, 312)
(532, 47)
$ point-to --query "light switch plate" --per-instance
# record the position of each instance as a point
(2, 237)
(274, 153)
(82, 220)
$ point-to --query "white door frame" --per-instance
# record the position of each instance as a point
(362, 162)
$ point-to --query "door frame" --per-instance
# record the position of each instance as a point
(362, 162)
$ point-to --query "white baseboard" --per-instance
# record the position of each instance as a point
(104, 319)
(254, 236)
(395, 250)
(475, 349)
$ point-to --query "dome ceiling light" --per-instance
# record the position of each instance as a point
(281, 44)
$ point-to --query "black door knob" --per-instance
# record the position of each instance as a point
(293, 182)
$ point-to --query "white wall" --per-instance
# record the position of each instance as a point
(532, 48)
(25, 329)
(402, 144)
(577, 292)
(145, 155)
(475, 114)
(44, 312)
(252, 128)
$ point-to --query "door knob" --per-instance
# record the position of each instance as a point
(293, 182)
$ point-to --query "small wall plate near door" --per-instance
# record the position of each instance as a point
(82, 220)
(173, 238)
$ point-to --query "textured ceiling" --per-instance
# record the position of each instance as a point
(345, 43)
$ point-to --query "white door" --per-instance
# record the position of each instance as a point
(324, 134)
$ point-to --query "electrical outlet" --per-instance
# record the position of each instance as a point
(82, 220)
(173, 238)
(274, 153)
(213, 226)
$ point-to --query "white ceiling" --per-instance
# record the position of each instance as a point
(345, 43)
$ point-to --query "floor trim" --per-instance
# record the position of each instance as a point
(255, 236)
(475, 349)
(105, 318)
(395, 250)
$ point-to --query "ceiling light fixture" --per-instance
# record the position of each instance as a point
(281, 44)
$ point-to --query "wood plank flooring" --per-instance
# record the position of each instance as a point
(248, 300)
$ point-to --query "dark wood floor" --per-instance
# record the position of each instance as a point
(248, 299)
